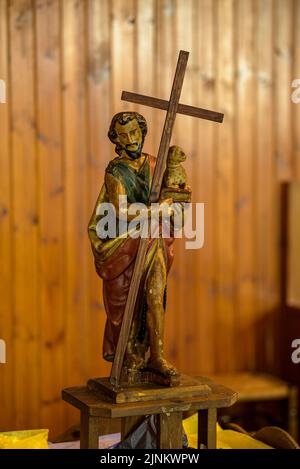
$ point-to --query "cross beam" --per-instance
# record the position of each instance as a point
(163, 104)
(172, 107)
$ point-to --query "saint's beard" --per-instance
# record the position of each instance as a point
(134, 155)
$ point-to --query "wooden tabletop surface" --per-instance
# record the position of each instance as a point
(100, 405)
(254, 386)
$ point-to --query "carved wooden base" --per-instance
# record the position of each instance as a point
(186, 387)
(148, 375)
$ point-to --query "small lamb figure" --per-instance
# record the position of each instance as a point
(175, 174)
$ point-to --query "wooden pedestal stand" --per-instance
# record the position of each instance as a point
(97, 406)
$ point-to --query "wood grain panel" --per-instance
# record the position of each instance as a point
(283, 37)
(24, 178)
(75, 199)
(225, 192)
(296, 76)
(293, 254)
(6, 249)
(245, 194)
(145, 64)
(123, 50)
(204, 183)
(267, 195)
(51, 192)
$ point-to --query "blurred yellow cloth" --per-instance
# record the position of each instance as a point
(226, 439)
(24, 439)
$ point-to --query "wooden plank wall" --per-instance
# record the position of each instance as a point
(65, 64)
(293, 233)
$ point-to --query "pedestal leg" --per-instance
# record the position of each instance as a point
(169, 431)
(293, 412)
(129, 424)
(207, 421)
(89, 430)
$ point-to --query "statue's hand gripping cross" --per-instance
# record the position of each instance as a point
(172, 107)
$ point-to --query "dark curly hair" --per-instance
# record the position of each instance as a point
(123, 118)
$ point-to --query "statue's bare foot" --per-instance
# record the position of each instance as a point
(162, 366)
(135, 362)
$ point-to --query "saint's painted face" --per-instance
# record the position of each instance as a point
(130, 137)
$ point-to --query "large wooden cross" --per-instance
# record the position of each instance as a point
(172, 107)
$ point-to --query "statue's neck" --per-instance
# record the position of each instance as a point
(135, 164)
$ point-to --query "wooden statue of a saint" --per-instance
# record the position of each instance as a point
(130, 174)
